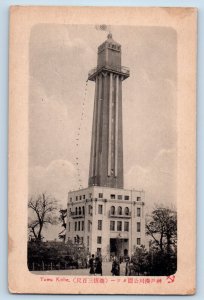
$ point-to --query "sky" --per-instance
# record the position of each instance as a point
(60, 58)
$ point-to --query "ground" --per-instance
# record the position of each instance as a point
(106, 266)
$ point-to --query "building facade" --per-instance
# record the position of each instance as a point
(108, 221)
(105, 217)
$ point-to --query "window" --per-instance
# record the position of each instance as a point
(112, 225)
(75, 226)
(120, 197)
(82, 225)
(98, 251)
(76, 198)
(83, 210)
(120, 211)
(70, 199)
(89, 225)
(138, 241)
(100, 209)
(138, 198)
(127, 211)
(79, 223)
(138, 226)
(112, 210)
(90, 209)
(119, 226)
(87, 241)
(99, 224)
(69, 226)
(76, 210)
(79, 210)
(99, 239)
(126, 197)
(112, 196)
(79, 197)
(84, 196)
(126, 226)
(138, 212)
(100, 195)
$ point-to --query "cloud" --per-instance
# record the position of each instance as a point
(46, 36)
(158, 179)
(51, 124)
(56, 179)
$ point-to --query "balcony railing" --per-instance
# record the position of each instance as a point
(75, 215)
(115, 69)
(116, 215)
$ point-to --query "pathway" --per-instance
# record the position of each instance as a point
(106, 266)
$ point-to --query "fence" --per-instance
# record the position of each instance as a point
(53, 265)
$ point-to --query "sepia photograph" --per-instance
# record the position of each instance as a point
(102, 150)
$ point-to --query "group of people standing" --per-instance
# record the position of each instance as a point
(95, 264)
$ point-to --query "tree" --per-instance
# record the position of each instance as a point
(162, 227)
(43, 208)
(63, 220)
(140, 260)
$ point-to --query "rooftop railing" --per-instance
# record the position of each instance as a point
(119, 69)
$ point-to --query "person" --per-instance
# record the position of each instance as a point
(92, 265)
(98, 269)
(115, 267)
(87, 262)
(127, 267)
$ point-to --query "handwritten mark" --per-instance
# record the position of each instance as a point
(171, 278)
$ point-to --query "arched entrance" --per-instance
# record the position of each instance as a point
(118, 247)
(125, 252)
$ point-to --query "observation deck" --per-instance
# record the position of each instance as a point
(119, 70)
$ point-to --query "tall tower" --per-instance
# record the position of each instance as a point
(104, 217)
(106, 159)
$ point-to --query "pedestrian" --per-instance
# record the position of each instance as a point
(98, 269)
(92, 265)
(87, 262)
(127, 267)
(115, 267)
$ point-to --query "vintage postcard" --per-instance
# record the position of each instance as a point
(102, 114)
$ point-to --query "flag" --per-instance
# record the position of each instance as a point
(102, 27)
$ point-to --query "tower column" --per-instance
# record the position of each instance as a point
(110, 123)
(93, 141)
(116, 125)
(97, 159)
